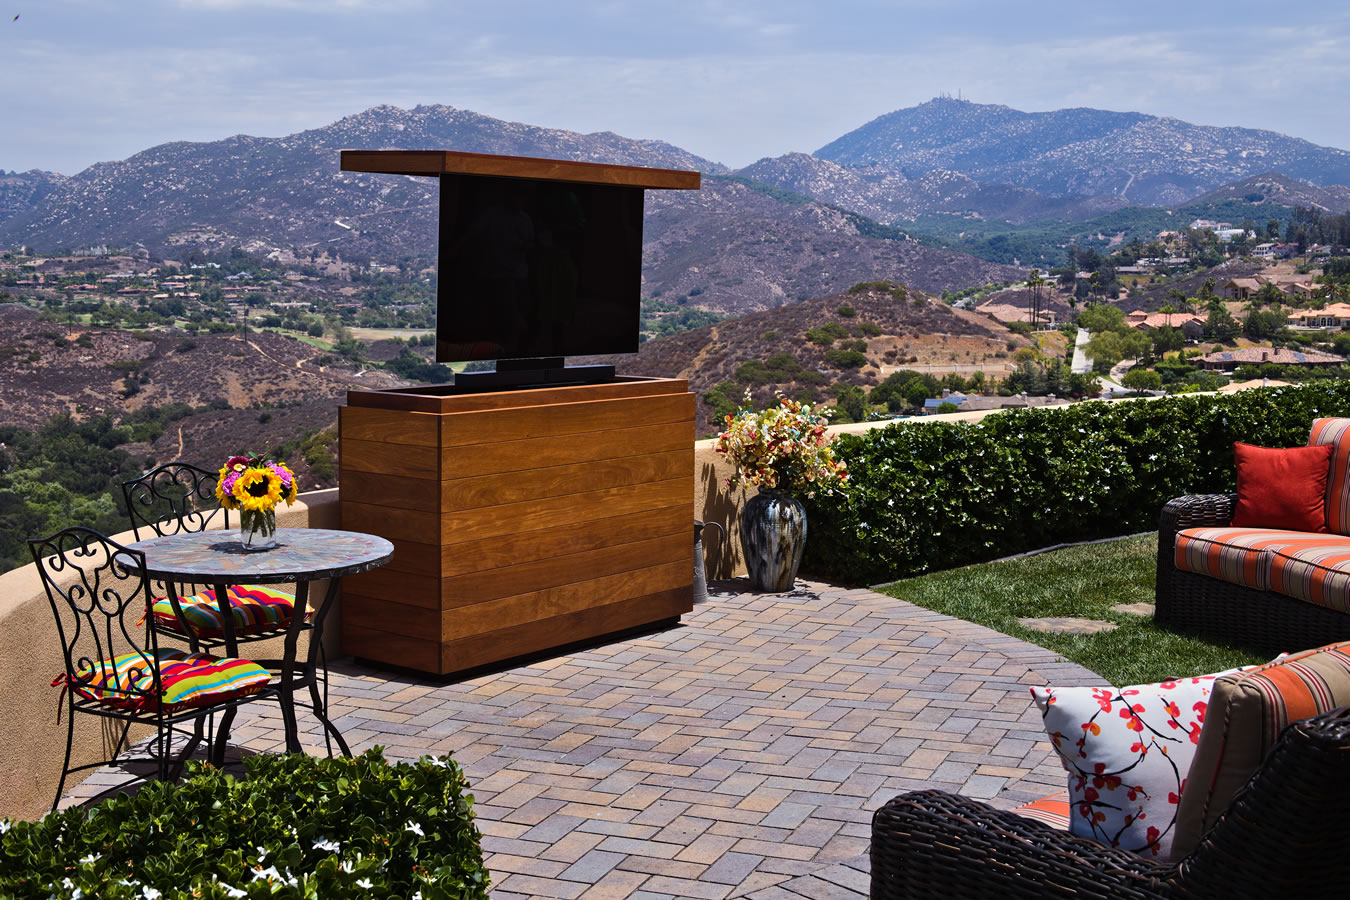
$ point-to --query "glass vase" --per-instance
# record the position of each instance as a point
(258, 529)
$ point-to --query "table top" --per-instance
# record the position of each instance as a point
(301, 554)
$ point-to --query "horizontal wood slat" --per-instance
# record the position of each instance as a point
(409, 588)
(477, 587)
(569, 598)
(394, 649)
(385, 614)
(495, 426)
(557, 481)
(443, 399)
(390, 426)
(528, 546)
(388, 459)
(518, 456)
(560, 512)
(395, 491)
(533, 637)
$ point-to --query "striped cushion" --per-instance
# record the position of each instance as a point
(1335, 432)
(1052, 810)
(1316, 570)
(1246, 714)
(186, 680)
(254, 609)
(1236, 555)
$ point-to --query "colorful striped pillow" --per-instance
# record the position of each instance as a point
(1335, 432)
(186, 680)
(1247, 712)
(253, 607)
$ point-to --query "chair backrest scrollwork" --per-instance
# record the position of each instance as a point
(93, 584)
(173, 498)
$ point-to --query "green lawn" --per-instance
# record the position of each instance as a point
(1084, 582)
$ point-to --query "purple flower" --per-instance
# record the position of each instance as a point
(283, 474)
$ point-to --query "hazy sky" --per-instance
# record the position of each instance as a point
(89, 80)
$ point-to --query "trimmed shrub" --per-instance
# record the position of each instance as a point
(295, 827)
(933, 496)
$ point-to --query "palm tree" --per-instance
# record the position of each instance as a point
(1034, 281)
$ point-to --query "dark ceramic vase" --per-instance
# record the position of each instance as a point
(773, 533)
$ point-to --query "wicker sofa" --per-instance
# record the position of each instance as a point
(1284, 835)
(1265, 588)
(1264, 620)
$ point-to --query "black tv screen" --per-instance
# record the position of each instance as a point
(533, 268)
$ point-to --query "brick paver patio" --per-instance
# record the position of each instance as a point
(740, 754)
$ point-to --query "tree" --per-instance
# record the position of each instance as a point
(1264, 324)
(1167, 340)
(1273, 229)
(1142, 380)
(1100, 317)
(1034, 282)
(1220, 324)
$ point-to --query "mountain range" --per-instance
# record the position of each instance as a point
(780, 230)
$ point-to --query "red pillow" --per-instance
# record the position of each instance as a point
(1285, 489)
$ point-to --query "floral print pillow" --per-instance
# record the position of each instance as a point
(1127, 752)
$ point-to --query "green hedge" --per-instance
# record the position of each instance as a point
(295, 827)
(933, 496)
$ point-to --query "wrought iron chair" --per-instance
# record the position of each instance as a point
(117, 670)
(178, 498)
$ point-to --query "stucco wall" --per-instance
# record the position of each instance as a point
(31, 741)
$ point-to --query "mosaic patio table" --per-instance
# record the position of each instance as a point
(302, 555)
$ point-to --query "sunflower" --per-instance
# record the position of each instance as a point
(258, 488)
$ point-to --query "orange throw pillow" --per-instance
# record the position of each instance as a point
(1284, 489)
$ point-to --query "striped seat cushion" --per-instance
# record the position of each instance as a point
(186, 680)
(1246, 714)
(1335, 432)
(1315, 570)
(254, 609)
(1236, 555)
(1053, 810)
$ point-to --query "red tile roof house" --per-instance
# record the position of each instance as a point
(1256, 356)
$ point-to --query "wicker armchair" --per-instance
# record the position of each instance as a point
(1284, 836)
(1263, 621)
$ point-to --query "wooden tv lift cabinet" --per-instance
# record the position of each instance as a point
(522, 520)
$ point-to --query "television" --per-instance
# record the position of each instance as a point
(533, 270)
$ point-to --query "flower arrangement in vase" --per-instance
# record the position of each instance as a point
(255, 486)
(783, 450)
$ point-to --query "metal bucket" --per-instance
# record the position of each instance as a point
(700, 574)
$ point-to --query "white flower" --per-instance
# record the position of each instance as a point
(262, 854)
(5, 825)
(231, 891)
(330, 846)
(436, 762)
(269, 873)
(414, 828)
(91, 858)
(365, 883)
(346, 865)
(150, 893)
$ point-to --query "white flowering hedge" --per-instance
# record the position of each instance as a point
(922, 497)
(295, 827)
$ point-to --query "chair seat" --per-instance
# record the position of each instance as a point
(1310, 567)
(1053, 810)
(186, 680)
(254, 608)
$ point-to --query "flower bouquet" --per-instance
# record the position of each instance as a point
(255, 485)
(782, 448)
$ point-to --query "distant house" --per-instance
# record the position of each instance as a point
(930, 406)
(1141, 319)
(1257, 356)
(1335, 315)
(1241, 288)
(1007, 313)
(1264, 251)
